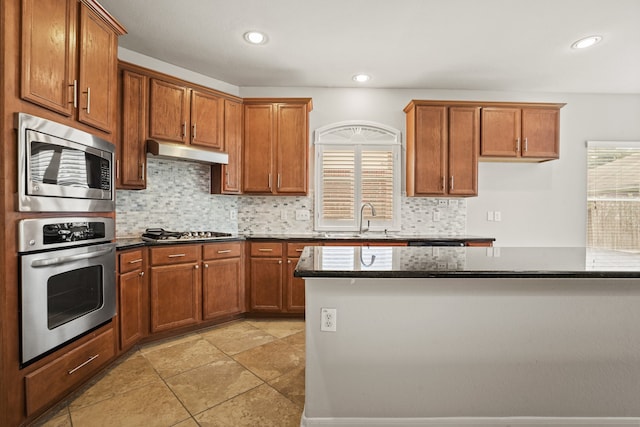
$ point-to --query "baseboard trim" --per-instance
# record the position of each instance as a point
(471, 421)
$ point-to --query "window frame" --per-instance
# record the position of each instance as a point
(358, 136)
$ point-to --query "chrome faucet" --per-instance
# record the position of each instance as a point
(373, 213)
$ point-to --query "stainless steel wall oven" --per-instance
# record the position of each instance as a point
(67, 280)
(63, 169)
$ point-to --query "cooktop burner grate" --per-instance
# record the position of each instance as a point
(162, 235)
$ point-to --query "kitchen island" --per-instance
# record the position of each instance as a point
(471, 336)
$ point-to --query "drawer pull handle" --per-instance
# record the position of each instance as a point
(206, 266)
(177, 255)
(226, 251)
(299, 250)
(135, 261)
(83, 364)
(265, 250)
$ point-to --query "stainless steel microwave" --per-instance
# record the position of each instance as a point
(63, 169)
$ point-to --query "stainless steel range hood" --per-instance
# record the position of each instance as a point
(169, 150)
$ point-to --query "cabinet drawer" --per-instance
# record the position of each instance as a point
(175, 254)
(266, 249)
(222, 250)
(130, 260)
(58, 377)
(295, 249)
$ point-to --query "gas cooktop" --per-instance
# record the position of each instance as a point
(160, 235)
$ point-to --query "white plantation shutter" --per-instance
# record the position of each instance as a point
(338, 182)
(357, 163)
(377, 183)
(613, 195)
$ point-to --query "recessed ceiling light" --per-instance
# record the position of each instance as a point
(586, 42)
(255, 37)
(361, 78)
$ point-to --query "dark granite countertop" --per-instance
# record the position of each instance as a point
(465, 262)
(134, 242)
(367, 237)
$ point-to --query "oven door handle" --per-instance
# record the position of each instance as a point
(45, 262)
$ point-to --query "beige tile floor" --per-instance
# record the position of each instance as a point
(246, 373)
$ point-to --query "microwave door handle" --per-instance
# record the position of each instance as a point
(45, 262)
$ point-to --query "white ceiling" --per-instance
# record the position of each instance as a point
(502, 45)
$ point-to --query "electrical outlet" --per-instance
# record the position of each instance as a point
(442, 202)
(490, 215)
(302, 215)
(453, 202)
(233, 215)
(497, 216)
(328, 319)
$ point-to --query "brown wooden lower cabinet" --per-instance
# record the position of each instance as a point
(133, 297)
(274, 289)
(222, 280)
(176, 287)
(59, 377)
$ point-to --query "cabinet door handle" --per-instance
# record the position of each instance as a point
(88, 92)
(278, 181)
(451, 186)
(141, 273)
(280, 262)
(206, 266)
(176, 255)
(299, 250)
(193, 134)
(135, 261)
(269, 181)
(226, 174)
(196, 266)
(142, 171)
(184, 129)
(226, 251)
(74, 101)
(83, 364)
(265, 250)
(517, 145)
(117, 169)
(526, 145)
(288, 261)
(443, 182)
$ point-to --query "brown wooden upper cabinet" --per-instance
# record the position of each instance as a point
(521, 132)
(227, 179)
(131, 154)
(184, 115)
(276, 145)
(442, 149)
(73, 73)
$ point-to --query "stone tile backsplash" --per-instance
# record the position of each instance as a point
(177, 198)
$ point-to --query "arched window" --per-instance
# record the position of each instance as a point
(357, 162)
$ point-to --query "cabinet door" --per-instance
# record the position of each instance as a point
(98, 71)
(266, 284)
(257, 151)
(292, 149)
(207, 116)
(500, 132)
(175, 296)
(227, 179)
(222, 290)
(295, 289)
(430, 151)
(464, 139)
(48, 62)
(131, 293)
(132, 154)
(541, 133)
(168, 111)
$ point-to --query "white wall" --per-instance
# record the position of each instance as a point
(542, 204)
